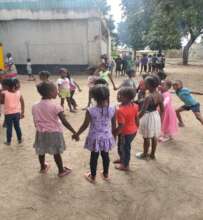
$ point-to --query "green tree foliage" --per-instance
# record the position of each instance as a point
(161, 24)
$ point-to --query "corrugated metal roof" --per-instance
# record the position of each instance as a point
(46, 4)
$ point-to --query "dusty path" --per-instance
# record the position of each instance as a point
(170, 188)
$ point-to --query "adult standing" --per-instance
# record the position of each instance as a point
(144, 62)
(118, 62)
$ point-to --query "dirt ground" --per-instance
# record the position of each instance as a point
(170, 188)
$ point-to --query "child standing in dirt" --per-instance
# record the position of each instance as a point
(150, 118)
(29, 70)
(190, 103)
(73, 85)
(169, 126)
(127, 126)
(64, 88)
(13, 109)
(47, 118)
(100, 138)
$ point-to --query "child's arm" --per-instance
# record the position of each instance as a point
(196, 93)
(161, 106)
(111, 79)
(65, 122)
(84, 126)
(2, 98)
(113, 124)
(77, 85)
(144, 108)
(22, 103)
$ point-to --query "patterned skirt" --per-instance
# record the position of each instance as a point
(150, 125)
(49, 143)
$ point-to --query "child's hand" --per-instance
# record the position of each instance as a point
(80, 90)
(22, 115)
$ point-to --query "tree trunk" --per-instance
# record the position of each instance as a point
(186, 50)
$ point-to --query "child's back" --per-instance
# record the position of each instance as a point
(100, 136)
(12, 103)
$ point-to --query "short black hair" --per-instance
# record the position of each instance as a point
(168, 83)
(100, 93)
(45, 88)
(152, 81)
(127, 92)
(44, 74)
(9, 83)
(130, 72)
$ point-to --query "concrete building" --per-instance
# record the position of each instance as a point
(54, 33)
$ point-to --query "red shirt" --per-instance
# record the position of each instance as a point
(126, 115)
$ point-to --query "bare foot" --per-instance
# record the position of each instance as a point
(89, 177)
(117, 161)
(121, 167)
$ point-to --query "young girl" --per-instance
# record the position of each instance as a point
(150, 120)
(44, 76)
(169, 120)
(100, 138)
(49, 135)
(64, 88)
(13, 109)
(73, 86)
(127, 126)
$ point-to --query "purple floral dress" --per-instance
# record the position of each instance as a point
(100, 136)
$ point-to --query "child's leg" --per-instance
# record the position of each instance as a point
(146, 146)
(62, 102)
(42, 162)
(126, 149)
(16, 122)
(73, 102)
(69, 104)
(59, 163)
(154, 145)
(106, 161)
(93, 163)
(9, 125)
(178, 111)
(199, 117)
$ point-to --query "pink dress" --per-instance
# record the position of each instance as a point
(169, 122)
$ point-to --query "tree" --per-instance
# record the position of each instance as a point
(162, 24)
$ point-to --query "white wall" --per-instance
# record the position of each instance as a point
(47, 42)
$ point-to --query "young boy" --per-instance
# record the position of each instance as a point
(189, 102)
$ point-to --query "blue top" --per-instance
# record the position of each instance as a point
(185, 95)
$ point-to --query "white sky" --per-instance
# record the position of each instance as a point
(116, 10)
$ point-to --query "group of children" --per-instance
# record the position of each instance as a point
(153, 114)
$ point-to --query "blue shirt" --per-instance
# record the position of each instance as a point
(185, 95)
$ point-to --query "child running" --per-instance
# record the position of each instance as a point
(150, 120)
(127, 126)
(64, 88)
(47, 118)
(73, 85)
(169, 126)
(13, 109)
(100, 138)
(189, 102)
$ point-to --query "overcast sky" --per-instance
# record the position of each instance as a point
(116, 9)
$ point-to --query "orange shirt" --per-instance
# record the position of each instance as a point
(12, 103)
(126, 115)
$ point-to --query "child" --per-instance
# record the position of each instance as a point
(141, 90)
(127, 126)
(144, 62)
(49, 135)
(29, 70)
(189, 102)
(64, 88)
(13, 110)
(169, 120)
(93, 75)
(73, 86)
(130, 82)
(100, 138)
(150, 120)
(44, 76)
(105, 74)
